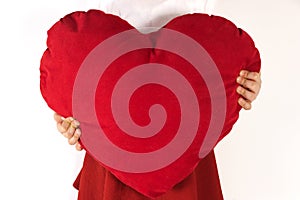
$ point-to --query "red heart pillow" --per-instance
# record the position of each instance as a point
(151, 106)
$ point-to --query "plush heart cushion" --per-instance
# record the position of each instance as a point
(151, 106)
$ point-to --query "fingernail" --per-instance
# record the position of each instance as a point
(243, 72)
(247, 106)
(78, 147)
(239, 79)
(78, 132)
(76, 123)
(255, 76)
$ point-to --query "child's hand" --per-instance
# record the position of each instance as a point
(69, 127)
(250, 83)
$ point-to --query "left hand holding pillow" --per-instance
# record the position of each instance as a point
(250, 84)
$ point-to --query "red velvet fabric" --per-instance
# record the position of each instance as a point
(72, 38)
(96, 183)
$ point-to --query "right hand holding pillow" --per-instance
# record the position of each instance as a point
(69, 127)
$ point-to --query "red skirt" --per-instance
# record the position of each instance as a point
(96, 183)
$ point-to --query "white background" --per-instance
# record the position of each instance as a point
(259, 160)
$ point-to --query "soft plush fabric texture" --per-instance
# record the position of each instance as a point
(72, 38)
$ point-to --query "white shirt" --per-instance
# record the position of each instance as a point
(152, 13)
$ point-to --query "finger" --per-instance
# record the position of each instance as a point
(248, 95)
(249, 84)
(255, 76)
(78, 146)
(58, 118)
(71, 131)
(75, 123)
(67, 122)
(60, 128)
(244, 103)
(74, 139)
(72, 128)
